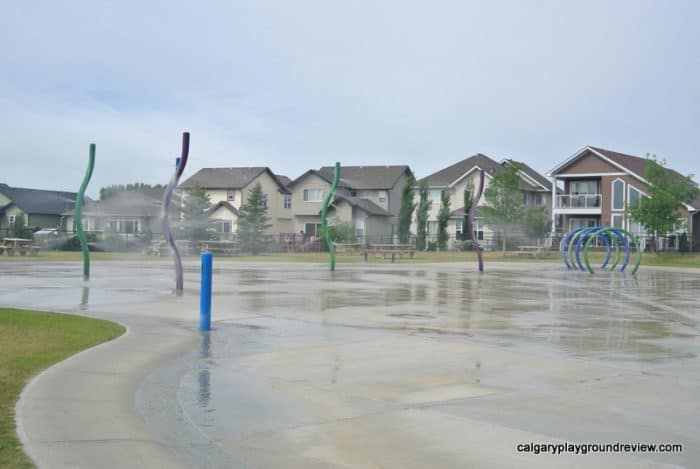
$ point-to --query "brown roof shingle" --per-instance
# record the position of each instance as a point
(365, 177)
(447, 176)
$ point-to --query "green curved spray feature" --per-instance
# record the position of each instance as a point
(79, 214)
(324, 221)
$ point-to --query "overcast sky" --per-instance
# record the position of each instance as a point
(300, 84)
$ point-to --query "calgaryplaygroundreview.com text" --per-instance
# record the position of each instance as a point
(586, 448)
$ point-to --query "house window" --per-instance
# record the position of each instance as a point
(231, 195)
(353, 193)
(575, 223)
(124, 225)
(11, 219)
(583, 187)
(617, 221)
(435, 196)
(369, 194)
(287, 201)
(538, 198)
(618, 194)
(382, 197)
(432, 228)
(263, 202)
(634, 197)
(359, 225)
(313, 195)
(222, 226)
(479, 228)
(636, 228)
(458, 228)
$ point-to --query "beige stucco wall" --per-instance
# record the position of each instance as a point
(221, 195)
(223, 213)
(311, 181)
(14, 210)
(456, 197)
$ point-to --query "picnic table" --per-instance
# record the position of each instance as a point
(228, 248)
(384, 250)
(348, 248)
(533, 251)
(19, 245)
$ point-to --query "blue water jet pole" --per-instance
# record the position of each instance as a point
(205, 292)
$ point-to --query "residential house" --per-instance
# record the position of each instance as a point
(129, 214)
(228, 190)
(457, 178)
(599, 185)
(368, 197)
(40, 208)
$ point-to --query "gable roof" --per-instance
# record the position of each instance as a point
(634, 165)
(540, 180)
(283, 179)
(365, 177)
(363, 204)
(143, 202)
(222, 204)
(39, 201)
(451, 174)
(228, 178)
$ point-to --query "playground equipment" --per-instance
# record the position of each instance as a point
(324, 222)
(472, 210)
(205, 292)
(613, 238)
(167, 195)
(79, 214)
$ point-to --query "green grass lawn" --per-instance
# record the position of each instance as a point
(32, 341)
(670, 259)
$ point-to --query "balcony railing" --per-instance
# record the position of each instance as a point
(578, 201)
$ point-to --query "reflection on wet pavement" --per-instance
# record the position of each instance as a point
(297, 352)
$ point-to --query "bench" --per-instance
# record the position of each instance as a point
(532, 251)
(385, 250)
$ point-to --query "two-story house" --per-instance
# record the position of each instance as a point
(40, 208)
(228, 190)
(455, 179)
(599, 185)
(368, 197)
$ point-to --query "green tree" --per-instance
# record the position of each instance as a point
(253, 221)
(341, 232)
(422, 215)
(195, 222)
(537, 222)
(504, 198)
(659, 213)
(19, 227)
(442, 219)
(108, 191)
(406, 210)
(467, 229)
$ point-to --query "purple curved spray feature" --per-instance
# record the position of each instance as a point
(472, 211)
(167, 196)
